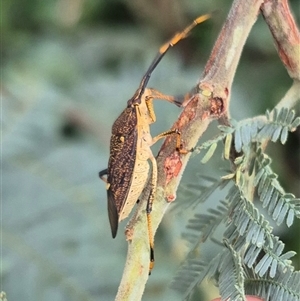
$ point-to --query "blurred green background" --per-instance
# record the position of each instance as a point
(68, 68)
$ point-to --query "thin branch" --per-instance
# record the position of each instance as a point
(209, 103)
(285, 34)
(287, 41)
(291, 97)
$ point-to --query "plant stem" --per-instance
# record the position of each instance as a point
(210, 102)
(285, 34)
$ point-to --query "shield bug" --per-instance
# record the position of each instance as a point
(128, 167)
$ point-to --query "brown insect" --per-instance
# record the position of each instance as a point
(130, 143)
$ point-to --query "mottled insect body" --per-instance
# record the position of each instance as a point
(130, 152)
(128, 165)
(143, 153)
(121, 164)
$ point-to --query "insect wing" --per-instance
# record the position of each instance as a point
(121, 163)
(112, 213)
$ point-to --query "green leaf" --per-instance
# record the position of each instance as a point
(290, 218)
(239, 160)
(282, 115)
(290, 116)
(265, 189)
(282, 214)
(277, 209)
(273, 201)
(226, 129)
(238, 140)
(209, 153)
(263, 265)
(254, 129)
(251, 165)
(243, 225)
(276, 133)
(268, 196)
(267, 161)
(227, 146)
(258, 176)
(295, 124)
(246, 134)
(273, 268)
(251, 230)
(275, 114)
(228, 176)
(288, 255)
(261, 184)
(251, 255)
(284, 135)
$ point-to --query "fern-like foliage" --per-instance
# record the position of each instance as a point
(249, 226)
(284, 286)
(206, 190)
(282, 205)
(251, 259)
(206, 222)
(276, 125)
(231, 275)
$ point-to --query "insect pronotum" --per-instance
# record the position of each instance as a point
(130, 143)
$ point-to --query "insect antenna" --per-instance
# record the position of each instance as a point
(164, 48)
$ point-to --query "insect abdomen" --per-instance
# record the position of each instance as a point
(140, 175)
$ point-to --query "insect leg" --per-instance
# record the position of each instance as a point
(149, 98)
(149, 209)
(178, 140)
(102, 173)
(150, 108)
(179, 145)
(165, 134)
(153, 93)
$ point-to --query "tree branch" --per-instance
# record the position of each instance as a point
(287, 41)
(291, 97)
(210, 102)
(285, 34)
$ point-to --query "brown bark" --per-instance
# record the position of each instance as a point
(210, 101)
